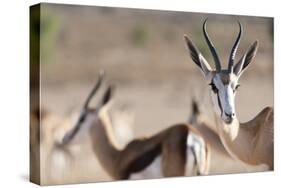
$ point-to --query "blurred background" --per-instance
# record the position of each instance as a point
(144, 55)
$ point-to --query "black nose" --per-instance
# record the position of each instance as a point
(231, 115)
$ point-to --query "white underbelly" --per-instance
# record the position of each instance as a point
(196, 155)
(153, 171)
(190, 163)
(193, 142)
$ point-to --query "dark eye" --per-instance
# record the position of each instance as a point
(214, 88)
(236, 87)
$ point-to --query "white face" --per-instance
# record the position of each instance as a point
(223, 82)
(223, 91)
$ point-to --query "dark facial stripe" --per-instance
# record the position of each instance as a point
(219, 101)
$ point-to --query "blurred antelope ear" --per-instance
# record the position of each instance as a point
(107, 95)
(197, 57)
(246, 59)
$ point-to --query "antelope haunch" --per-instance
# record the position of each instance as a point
(250, 142)
(168, 153)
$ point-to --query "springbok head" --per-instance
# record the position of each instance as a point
(223, 82)
(89, 114)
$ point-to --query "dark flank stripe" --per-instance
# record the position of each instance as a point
(139, 154)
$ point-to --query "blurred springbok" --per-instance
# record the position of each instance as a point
(250, 142)
(58, 162)
(177, 151)
(52, 160)
(39, 147)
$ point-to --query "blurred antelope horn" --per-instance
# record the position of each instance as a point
(95, 89)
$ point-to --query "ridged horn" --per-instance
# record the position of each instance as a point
(211, 46)
(234, 49)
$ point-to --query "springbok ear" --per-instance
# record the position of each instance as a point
(107, 95)
(246, 59)
(197, 57)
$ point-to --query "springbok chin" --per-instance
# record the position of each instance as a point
(223, 82)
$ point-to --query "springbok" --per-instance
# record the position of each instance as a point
(250, 142)
(57, 163)
(53, 160)
(168, 153)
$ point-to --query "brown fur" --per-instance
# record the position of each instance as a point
(203, 124)
(140, 153)
(261, 128)
(254, 143)
(225, 78)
